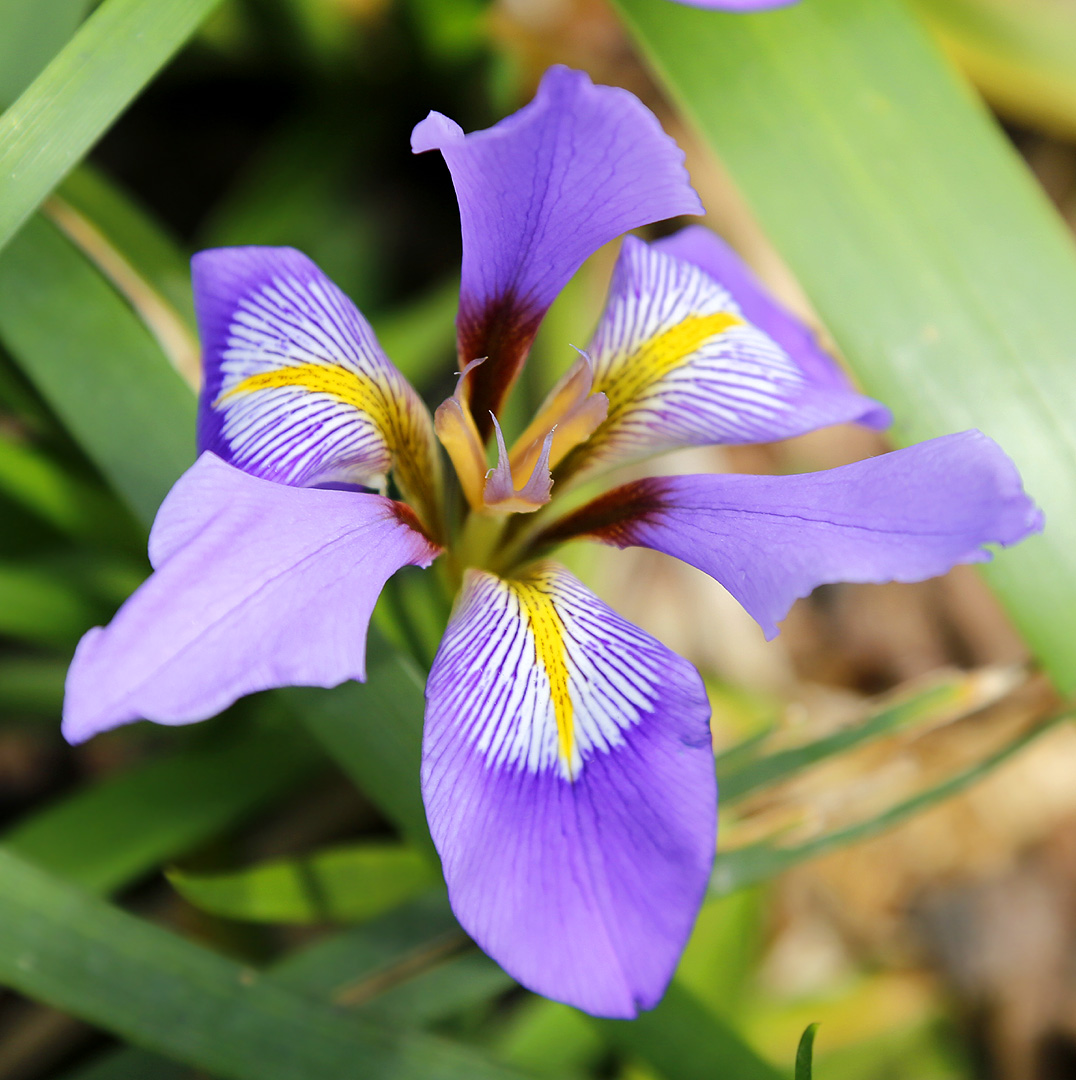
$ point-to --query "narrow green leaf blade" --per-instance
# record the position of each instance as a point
(79, 954)
(934, 702)
(347, 884)
(342, 967)
(97, 839)
(31, 33)
(136, 235)
(932, 255)
(74, 100)
(391, 970)
(805, 1053)
(757, 862)
(97, 366)
(444, 990)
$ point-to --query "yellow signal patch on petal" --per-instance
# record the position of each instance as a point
(396, 414)
(630, 380)
(539, 675)
(346, 386)
(680, 366)
(535, 597)
(297, 388)
(627, 384)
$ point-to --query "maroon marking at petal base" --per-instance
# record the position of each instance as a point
(609, 517)
(502, 331)
(406, 516)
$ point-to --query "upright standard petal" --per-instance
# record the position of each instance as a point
(538, 193)
(904, 516)
(569, 784)
(705, 249)
(682, 364)
(297, 388)
(256, 585)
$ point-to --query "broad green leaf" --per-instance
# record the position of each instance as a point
(31, 33)
(84, 956)
(954, 695)
(929, 251)
(451, 988)
(96, 365)
(96, 839)
(404, 968)
(757, 862)
(129, 1064)
(374, 732)
(1020, 53)
(343, 967)
(347, 884)
(683, 1040)
(63, 112)
(805, 1053)
(410, 967)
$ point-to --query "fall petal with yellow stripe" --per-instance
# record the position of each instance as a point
(569, 780)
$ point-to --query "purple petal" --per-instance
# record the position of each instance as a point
(569, 784)
(297, 388)
(903, 516)
(682, 365)
(706, 250)
(538, 193)
(256, 585)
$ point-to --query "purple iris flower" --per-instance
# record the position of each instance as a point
(567, 771)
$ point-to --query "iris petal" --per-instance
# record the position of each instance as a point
(903, 516)
(682, 365)
(706, 250)
(538, 193)
(257, 585)
(569, 784)
(297, 388)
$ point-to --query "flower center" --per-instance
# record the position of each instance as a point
(521, 480)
